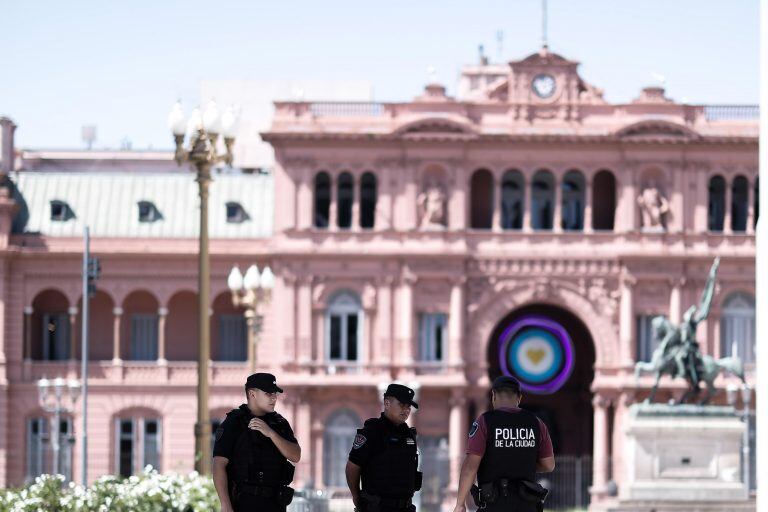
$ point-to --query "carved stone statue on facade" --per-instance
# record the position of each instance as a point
(431, 202)
(678, 355)
(654, 208)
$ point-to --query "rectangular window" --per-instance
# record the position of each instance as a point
(125, 446)
(738, 337)
(144, 337)
(335, 352)
(233, 338)
(432, 330)
(151, 444)
(55, 337)
(37, 433)
(646, 343)
(351, 338)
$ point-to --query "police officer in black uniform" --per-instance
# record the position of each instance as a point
(507, 446)
(385, 456)
(255, 452)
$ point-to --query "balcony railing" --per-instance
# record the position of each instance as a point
(346, 109)
(731, 112)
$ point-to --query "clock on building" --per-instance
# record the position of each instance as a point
(543, 85)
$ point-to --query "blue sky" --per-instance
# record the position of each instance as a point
(120, 65)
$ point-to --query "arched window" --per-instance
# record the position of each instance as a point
(603, 201)
(340, 430)
(322, 199)
(51, 335)
(343, 329)
(739, 206)
(716, 203)
(572, 201)
(344, 200)
(737, 327)
(138, 444)
(542, 200)
(368, 200)
(482, 199)
(512, 200)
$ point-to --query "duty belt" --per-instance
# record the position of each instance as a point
(396, 503)
(258, 490)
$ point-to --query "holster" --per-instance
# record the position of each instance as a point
(489, 493)
(475, 492)
(531, 492)
(418, 480)
(285, 495)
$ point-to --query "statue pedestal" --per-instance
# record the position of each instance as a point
(685, 456)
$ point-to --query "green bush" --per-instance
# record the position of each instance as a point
(148, 492)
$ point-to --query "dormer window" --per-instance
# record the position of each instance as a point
(236, 213)
(60, 211)
(148, 212)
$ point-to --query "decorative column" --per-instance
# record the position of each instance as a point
(304, 200)
(675, 300)
(72, 333)
(304, 321)
(456, 322)
(118, 314)
(588, 205)
(383, 352)
(332, 209)
(496, 204)
(457, 435)
(304, 436)
(629, 198)
(28, 332)
(458, 201)
(727, 218)
(601, 444)
(405, 333)
(355, 204)
(627, 320)
(288, 324)
(317, 452)
(750, 208)
(527, 202)
(557, 215)
(162, 314)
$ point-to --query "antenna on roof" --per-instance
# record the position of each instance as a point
(544, 42)
(88, 134)
(483, 58)
(500, 44)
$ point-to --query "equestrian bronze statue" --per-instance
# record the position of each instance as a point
(678, 354)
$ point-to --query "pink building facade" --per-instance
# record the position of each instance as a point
(527, 227)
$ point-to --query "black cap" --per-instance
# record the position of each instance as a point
(404, 394)
(263, 381)
(506, 382)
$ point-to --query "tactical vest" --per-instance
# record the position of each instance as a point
(511, 447)
(391, 473)
(256, 459)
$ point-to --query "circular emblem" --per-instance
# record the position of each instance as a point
(538, 352)
(544, 85)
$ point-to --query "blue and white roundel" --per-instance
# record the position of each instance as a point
(538, 352)
(535, 355)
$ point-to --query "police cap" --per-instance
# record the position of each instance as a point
(404, 394)
(506, 382)
(263, 381)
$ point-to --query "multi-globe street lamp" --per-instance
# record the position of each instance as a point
(252, 292)
(202, 132)
(57, 396)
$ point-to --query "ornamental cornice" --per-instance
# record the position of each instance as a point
(503, 267)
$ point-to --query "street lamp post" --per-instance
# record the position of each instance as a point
(203, 132)
(61, 401)
(252, 292)
(746, 396)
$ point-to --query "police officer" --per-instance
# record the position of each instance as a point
(384, 454)
(255, 452)
(507, 446)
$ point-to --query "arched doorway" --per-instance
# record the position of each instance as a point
(552, 352)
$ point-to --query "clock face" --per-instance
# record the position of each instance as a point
(543, 86)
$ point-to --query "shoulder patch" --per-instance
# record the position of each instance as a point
(473, 430)
(360, 440)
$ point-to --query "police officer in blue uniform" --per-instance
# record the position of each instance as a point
(384, 456)
(255, 452)
(507, 446)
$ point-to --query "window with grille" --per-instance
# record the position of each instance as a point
(138, 444)
(233, 338)
(432, 331)
(40, 452)
(343, 327)
(646, 342)
(144, 337)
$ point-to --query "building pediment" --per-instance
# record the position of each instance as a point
(654, 129)
(436, 127)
